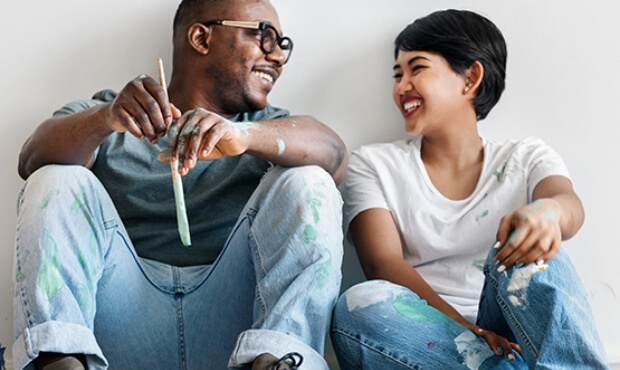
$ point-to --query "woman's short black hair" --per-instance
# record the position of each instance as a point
(462, 37)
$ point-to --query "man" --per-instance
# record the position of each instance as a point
(102, 278)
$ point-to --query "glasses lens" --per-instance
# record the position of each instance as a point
(270, 39)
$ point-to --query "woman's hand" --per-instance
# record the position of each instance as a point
(500, 345)
(529, 234)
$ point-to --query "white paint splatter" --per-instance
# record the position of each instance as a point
(365, 295)
(242, 126)
(515, 301)
(281, 146)
(522, 277)
(474, 349)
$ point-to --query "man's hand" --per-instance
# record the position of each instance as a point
(142, 109)
(203, 135)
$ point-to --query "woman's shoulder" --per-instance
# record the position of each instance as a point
(515, 146)
(397, 148)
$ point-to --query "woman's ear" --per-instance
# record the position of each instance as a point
(473, 77)
(199, 37)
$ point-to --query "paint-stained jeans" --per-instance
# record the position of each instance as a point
(380, 325)
(80, 287)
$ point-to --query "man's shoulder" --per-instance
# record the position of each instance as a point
(267, 113)
(99, 97)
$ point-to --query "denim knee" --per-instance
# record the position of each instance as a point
(60, 177)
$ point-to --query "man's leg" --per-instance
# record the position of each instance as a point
(380, 325)
(73, 261)
(279, 274)
(546, 310)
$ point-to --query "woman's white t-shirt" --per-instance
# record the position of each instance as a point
(446, 240)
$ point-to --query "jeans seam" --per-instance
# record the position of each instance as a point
(260, 272)
(372, 348)
(518, 328)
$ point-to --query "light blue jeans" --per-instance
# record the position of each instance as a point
(380, 325)
(80, 287)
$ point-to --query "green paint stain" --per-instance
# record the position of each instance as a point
(419, 311)
(479, 264)
(242, 126)
(482, 215)
(310, 234)
(314, 204)
(513, 236)
(281, 146)
(323, 270)
(50, 282)
(550, 215)
(79, 205)
(48, 198)
(500, 174)
(537, 204)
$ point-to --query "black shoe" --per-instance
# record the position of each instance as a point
(267, 361)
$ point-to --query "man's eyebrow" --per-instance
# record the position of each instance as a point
(410, 62)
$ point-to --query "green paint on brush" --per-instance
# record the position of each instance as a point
(179, 198)
(419, 311)
(310, 234)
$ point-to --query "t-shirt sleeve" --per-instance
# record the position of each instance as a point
(268, 113)
(100, 97)
(362, 188)
(542, 161)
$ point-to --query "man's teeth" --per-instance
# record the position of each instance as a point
(411, 105)
(264, 76)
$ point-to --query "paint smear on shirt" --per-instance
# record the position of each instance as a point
(482, 215)
(365, 296)
(474, 349)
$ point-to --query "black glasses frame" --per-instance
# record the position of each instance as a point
(285, 43)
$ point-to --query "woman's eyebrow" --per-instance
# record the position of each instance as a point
(410, 62)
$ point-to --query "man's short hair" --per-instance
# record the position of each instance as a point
(188, 8)
(462, 37)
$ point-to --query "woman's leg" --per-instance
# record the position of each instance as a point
(546, 310)
(380, 325)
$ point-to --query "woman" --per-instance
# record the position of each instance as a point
(441, 217)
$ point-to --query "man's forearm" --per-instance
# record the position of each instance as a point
(70, 139)
(298, 141)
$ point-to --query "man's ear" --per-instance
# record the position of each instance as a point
(199, 37)
(474, 76)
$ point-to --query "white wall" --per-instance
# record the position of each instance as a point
(562, 85)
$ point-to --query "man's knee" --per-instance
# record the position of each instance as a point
(59, 176)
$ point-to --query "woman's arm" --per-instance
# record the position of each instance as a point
(535, 232)
(379, 248)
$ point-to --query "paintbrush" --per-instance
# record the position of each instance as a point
(179, 198)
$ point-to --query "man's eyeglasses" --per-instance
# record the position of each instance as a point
(269, 35)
